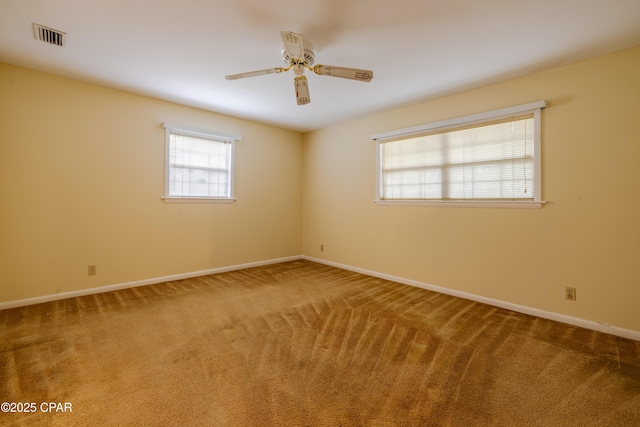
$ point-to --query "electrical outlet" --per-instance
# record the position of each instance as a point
(570, 293)
(92, 270)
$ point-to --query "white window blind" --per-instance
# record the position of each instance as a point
(199, 167)
(199, 164)
(487, 157)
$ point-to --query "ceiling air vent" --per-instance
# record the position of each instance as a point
(49, 35)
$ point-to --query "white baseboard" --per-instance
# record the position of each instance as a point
(134, 284)
(607, 329)
(587, 324)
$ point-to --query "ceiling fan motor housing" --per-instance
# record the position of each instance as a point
(309, 53)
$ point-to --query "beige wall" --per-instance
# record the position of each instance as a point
(82, 174)
(587, 236)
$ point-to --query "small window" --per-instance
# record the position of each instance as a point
(199, 165)
(487, 158)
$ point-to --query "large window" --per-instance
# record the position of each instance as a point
(199, 164)
(490, 158)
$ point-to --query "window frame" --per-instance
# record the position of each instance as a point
(172, 128)
(534, 108)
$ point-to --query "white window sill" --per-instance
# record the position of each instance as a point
(507, 204)
(196, 200)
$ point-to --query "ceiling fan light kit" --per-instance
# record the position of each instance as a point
(301, 55)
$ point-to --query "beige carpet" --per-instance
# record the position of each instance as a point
(304, 344)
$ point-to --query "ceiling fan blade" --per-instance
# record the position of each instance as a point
(344, 72)
(293, 45)
(254, 73)
(302, 90)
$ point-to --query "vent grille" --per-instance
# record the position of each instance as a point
(49, 35)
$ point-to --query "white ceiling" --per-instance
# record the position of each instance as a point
(418, 49)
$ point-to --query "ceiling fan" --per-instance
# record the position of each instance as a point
(301, 55)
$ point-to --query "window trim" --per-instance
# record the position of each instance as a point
(534, 108)
(203, 134)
